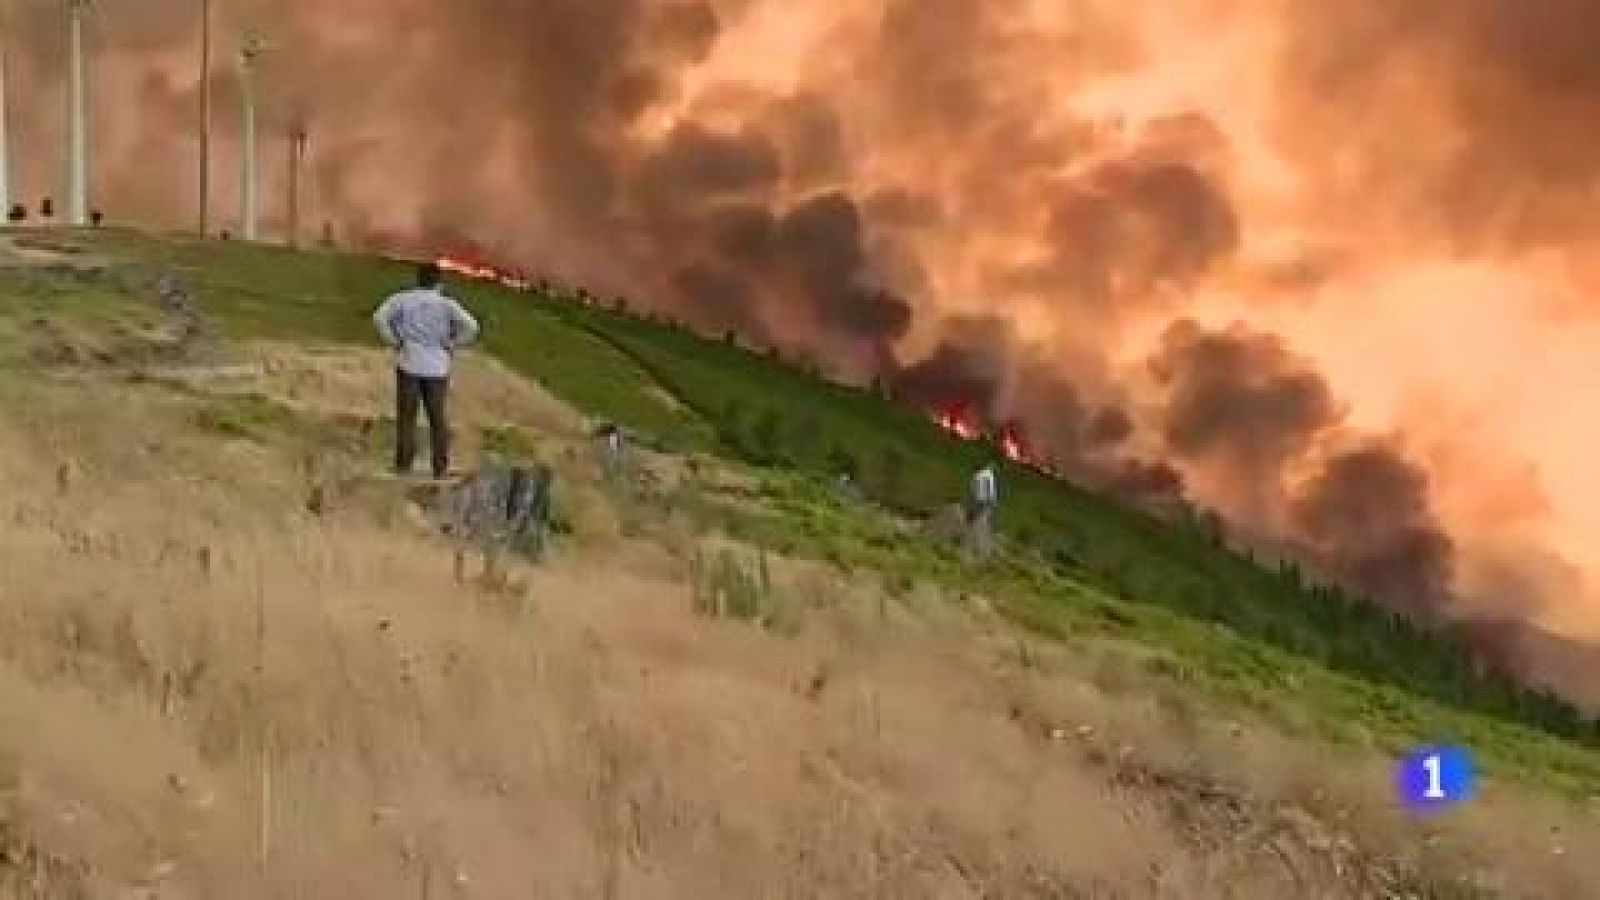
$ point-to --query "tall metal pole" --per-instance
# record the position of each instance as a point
(205, 117)
(78, 175)
(297, 152)
(5, 159)
(247, 189)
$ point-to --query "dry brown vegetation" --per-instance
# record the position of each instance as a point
(211, 687)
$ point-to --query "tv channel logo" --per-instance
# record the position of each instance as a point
(1433, 778)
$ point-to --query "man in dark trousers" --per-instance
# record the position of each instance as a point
(424, 327)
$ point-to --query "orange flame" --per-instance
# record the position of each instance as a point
(960, 421)
(484, 272)
(1011, 444)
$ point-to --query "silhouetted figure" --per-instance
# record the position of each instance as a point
(226, 235)
(96, 217)
(425, 327)
(18, 214)
(47, 209)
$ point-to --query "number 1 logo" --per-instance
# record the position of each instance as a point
(1431, 778)
(1434, 765)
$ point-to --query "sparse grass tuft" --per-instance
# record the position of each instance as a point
(734, 585)
(249, 416)
(509, 441)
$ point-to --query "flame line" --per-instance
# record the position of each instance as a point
(955, 420)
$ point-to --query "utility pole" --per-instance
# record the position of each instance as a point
(297, 154)
(249, 51)
(205, 117)
(78, 152)
(5, 159)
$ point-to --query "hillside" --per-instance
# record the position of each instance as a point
(215, 684)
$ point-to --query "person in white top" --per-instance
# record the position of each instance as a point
(611, 449)
(980, 510)
(425, 327)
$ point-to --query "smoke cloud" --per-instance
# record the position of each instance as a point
(1262, 430)
(1366, 516)
(982, 367)
(1239, 405)
(1052, 212)
(1495, 93)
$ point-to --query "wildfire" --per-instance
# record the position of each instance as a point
(960, 420)
(957, 418)
(1013, 444)
(484, 272)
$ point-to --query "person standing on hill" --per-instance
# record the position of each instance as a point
(424, 326)
(611, 450)
(980, 511)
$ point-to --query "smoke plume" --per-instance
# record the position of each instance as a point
(1260, 429)
(1366, 516)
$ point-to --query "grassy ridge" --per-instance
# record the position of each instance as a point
(1191, 654)
(266, 292)
(1079, 566)
(1083, 536)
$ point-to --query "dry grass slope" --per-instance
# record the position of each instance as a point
(210, 688)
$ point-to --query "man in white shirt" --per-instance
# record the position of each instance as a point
(611, 449)
(424, 327)
(980, 516)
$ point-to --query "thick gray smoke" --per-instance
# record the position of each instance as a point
(983, 369)
(1366, 517)
(1238, 399)
(1239, 406)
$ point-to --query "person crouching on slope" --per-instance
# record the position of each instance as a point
(424, 326)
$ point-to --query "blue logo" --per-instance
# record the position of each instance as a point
(1432, 778)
